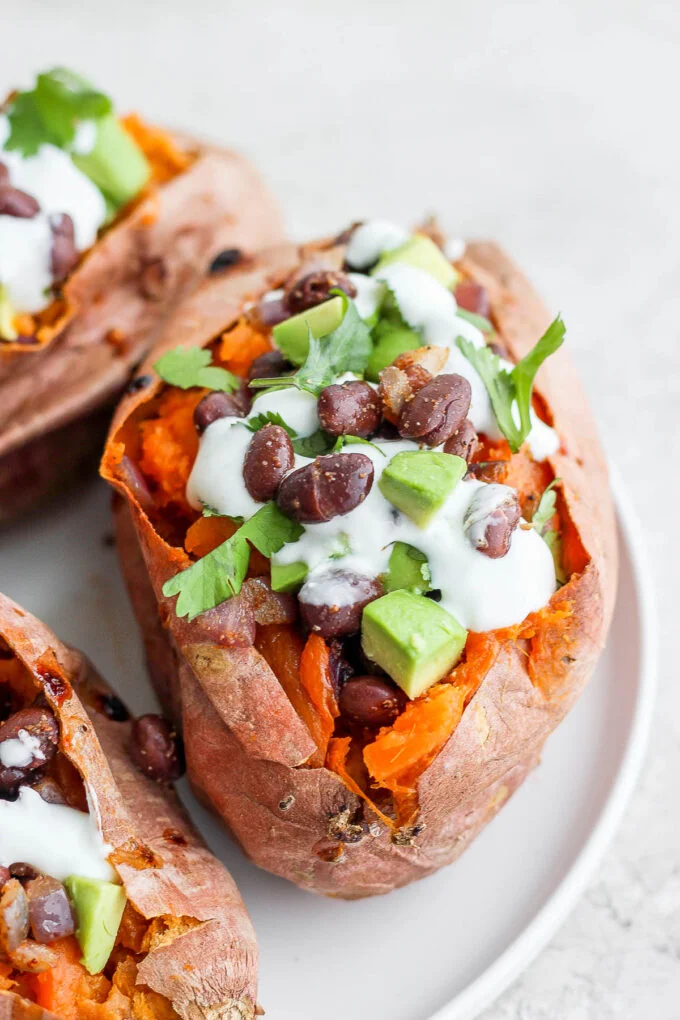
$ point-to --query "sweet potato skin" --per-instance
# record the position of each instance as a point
(284, 815)
(208, 971)
(115, 302)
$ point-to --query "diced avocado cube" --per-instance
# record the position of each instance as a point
(419, 482)
(407, 568)
(7, 313)
(422, 253)
(116, 164)
(288, 576)
(390, 342)
(98, 907)
(413, 639)
(292, 335)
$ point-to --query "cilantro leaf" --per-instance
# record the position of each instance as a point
(554, 542)
(269, 529)
(546, 508)
(258, 421)
(187, 367)
(508, 388)
(210, 511)
(212, 579)
(218, 576)
(352, 441)
(477, 320)
(346, 349)
(50, 112)
(316, 445)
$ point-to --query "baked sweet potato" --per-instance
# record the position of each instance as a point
(338, 797)
(184, 946)
(61, 365)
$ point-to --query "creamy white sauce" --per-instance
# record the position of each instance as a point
(21, 750)
(431, 309)
(454, 248)
(483, 504)
(273, 295)
(330, 586)
(371, 239)
(480, 592)
(58, 186)
(54, 839)
(370, 293)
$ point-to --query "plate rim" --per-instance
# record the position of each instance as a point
(485, 989)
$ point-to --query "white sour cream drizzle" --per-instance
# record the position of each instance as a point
(54, 839)
(19, 751)
(480, 592)
(58, 186)
(370, 240)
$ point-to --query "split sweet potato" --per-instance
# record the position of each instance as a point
(57, 391)
(185, 946)
(300, 800)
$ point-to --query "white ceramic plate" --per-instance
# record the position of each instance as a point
(444, 948)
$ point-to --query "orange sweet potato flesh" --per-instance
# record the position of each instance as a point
(241, 345)
(473, 740)
(186, 947)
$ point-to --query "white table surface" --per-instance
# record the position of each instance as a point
(550, 126)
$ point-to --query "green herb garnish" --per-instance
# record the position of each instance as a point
(352, 441)
(259, 421)
(188, 367)
(50, 112)
(546, 507)
(477, 320)
(316, 445)
(346, 349)
(218, 576)
(508, 388)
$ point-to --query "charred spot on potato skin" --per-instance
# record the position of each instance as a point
(286, 803)
(138, 383)
(225, 260)
(329, 852)
(175, 837)
(346, 825)
(568, 660)
(113, 708)
(407, 834)
(56, 686)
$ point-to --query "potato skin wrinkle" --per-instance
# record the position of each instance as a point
(286, 781)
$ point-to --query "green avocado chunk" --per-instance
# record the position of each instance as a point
(419, 482)
(407, 568)
(116, 164)
(288, 576)
(292, 335)
(413, 639)
(98, 907)
(422, 253)
(390, 342)
(7, 330)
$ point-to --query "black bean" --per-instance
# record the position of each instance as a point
(268, 459)
(491, 518)
(217, 405)
(463, 442)
(437, 410)
(341, 668)
(227, 258)
(316, 287)
(370, 701)
(329, 487)
(156, 748)
(473, 298)
(113, 708)
(350, 408)
(336, 619)
(49, 909)
(64, 253)
(40, 728)
(50, 791)
(269, 366)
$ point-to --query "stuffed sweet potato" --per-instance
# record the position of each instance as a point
(111, 908)
(372, 580)
(104, 225)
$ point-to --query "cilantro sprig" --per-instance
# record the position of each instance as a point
(477, 320)
(508, 388)
(260, 421)
(346, 349)
(50, 111)
(187, 367)
(546, 508)
(218, 576)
